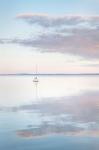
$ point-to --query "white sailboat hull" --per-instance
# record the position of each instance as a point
(35, 79)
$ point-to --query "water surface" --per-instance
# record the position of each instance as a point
(58, 112)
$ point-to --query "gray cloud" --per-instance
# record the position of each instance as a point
(79, 40)
(46, 20)
(2, 41)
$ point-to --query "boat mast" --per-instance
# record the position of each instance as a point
(36, 70)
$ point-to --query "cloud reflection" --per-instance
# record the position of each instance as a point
(46, 130)
(78, 115)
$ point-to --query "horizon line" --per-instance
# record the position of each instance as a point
(25, 74)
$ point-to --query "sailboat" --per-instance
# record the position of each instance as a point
(36, 78)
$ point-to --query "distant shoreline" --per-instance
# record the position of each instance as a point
(59, 74)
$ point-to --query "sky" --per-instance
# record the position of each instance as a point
(59, 36)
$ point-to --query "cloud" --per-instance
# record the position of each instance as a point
(81, 42)
(76, 35)
(2, 41)
(46, 20)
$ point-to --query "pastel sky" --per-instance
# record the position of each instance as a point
(60, 36)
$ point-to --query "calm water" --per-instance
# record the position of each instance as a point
(58, 112)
